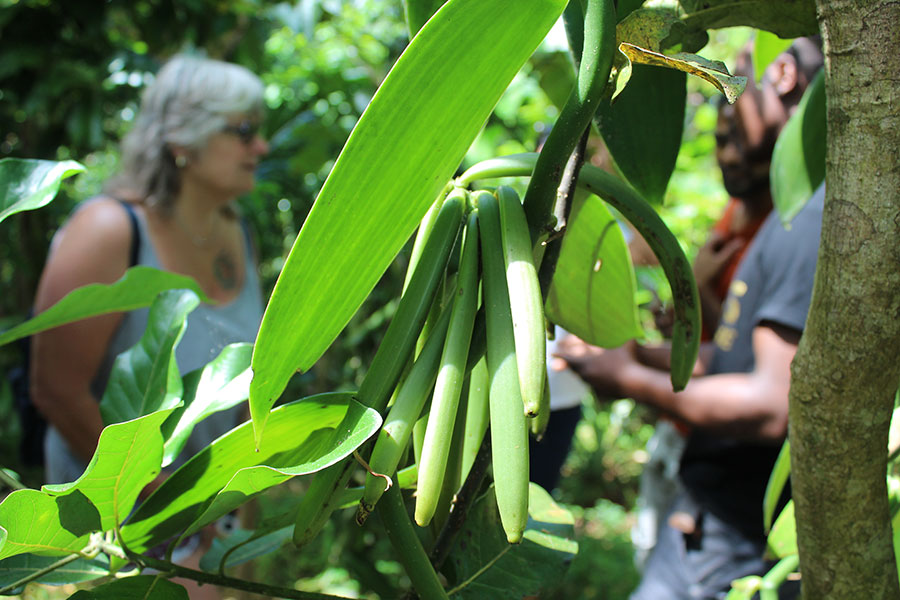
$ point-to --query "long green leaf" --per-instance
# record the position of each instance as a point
(401, 154)
(128, 457)
(19, 567)
(137, 288)
(302, 437)
(139, 587)
(29, 184)
(220, 384)
(798, 161)
(145, 377)
(777, 480)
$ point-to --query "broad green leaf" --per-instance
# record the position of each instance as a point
(431, 106)
(145, 377)
(29, 184)
(513, 571)
(798, 161)
(895, 526)
(220, 384)
(780, 473)
(785, 18)
(139, 587)
(713, 71)
(128, 457)
(137, 288)
(35, 522)
(302, 437)
(18, 567)
(658, 28)
(592, 293)
(782, 540)
(766, 48)
(643, 127)
(417, 13)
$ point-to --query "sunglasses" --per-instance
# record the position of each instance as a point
(246, 131)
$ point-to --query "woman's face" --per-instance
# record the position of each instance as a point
(228, 162)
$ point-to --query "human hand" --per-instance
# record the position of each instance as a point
(713, 256)
(600, 367)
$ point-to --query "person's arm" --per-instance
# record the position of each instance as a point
(748, 405)
(93, 247)
(659, 356)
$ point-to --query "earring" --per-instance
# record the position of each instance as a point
(181, 161)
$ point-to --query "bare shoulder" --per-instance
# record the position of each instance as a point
(92, 247)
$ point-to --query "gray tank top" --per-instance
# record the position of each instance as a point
(209, 329)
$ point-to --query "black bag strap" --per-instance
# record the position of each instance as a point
(135, 233)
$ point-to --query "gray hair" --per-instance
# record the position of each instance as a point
(189, 101)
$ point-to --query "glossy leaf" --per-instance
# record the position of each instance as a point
(417, 13)
(302, 437)
(592, 293)
(18, 567)
(777, 480)
(519, 570)
(137, 288)
(29, 184)
(128, 457)
(798, 161)
(139, 587)
(447, 82)
(643, 127)
(34, 522)
(220, 384)
(145, 377)
(782, 540)
(785, 18)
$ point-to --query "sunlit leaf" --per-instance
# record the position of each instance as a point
(782, 540)
(592, 293)
(302, 437)
(785, 18)
(139, 587)
(715, 72)
(34, 522)
(798, 161)
(220, 384)
(19, 567)
(137, 288)
(29, 184)
(766, 48)
(145, 377)
(128, 457)
(447, 82)
(515, 571)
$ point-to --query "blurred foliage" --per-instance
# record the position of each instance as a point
(70, 83)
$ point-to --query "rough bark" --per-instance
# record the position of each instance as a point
(847, 368)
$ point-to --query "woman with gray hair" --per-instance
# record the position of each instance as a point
(193, 150)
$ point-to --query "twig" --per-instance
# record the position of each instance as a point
(10, 481)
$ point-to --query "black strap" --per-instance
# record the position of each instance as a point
(135, 233)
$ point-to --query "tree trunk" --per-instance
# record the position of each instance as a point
(847, 368)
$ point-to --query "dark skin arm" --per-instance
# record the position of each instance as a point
(746, 405)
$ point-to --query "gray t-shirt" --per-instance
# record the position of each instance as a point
(773, 284)
(209, 329)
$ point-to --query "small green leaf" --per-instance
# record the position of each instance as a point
(137, 288)
(219, 385)
(447, 82)
(29, 184)
(782, 540)
(798, 161)
(19, 567)
(766, 48)
(777, 480)
(128, 457)
(145, 377)
(139, 587)
(592, 293)
(785, 18)
(513, 571)
(243, 545)
(302, 437)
